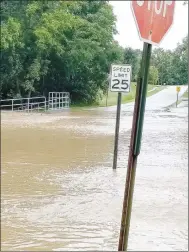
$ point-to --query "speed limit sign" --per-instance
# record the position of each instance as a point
(120, 78)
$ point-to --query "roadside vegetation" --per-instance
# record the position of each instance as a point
(62, 46)
(185, 95)
(111, 100)
(112, 97)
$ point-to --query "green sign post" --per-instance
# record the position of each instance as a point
(135, 143)
(153, 19)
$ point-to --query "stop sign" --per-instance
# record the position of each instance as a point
(153, 19)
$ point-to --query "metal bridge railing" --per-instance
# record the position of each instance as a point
(58, 100)
(24, 104)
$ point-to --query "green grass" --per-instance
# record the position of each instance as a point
(158, 89)
(185, 95)
(112, 97)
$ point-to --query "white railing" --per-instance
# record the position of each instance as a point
(58, 100)
(25, 104)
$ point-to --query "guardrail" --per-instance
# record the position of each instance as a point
(25, 104)
(56, 101)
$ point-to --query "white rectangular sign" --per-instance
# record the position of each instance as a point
(120, 78)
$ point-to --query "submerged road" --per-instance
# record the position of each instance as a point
(59, 191)
(164, 98)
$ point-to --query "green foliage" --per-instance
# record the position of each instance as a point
(58, 46)
(180, 63)
(133, 57)
(172, 65)
(153, 76)
(69, 46)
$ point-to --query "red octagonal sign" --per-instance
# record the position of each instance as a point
(153, 18)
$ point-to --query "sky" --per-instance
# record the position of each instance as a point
(128, 34)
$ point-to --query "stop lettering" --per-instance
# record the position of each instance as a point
(153, 19)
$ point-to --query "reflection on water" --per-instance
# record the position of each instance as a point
(59, 191)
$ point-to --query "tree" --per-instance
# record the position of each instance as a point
(21, 59)
(172, 65)
(11, 67)
(162, 60)
(153, 75)
(58, 46)
(180, 62)
(133, 57)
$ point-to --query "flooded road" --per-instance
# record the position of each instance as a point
(59, 191)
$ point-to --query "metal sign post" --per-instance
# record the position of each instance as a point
(178, 90)
(107, 97)
(153, 19)
(117, 130)
(120, 82)
(108, 79)
(135, 143)
(177, 100)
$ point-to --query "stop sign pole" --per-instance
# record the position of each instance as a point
(153, 19)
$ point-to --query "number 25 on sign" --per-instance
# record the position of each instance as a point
(120, 78)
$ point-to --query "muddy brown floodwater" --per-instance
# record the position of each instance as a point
(59, 191)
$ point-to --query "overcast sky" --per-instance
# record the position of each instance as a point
(128, 35)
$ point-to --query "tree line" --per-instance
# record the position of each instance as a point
(69, 46)
(169, 67)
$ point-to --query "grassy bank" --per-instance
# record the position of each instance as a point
(112, 97)
(185, 95)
